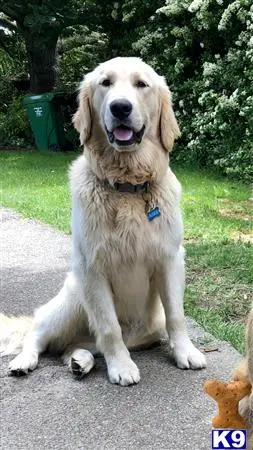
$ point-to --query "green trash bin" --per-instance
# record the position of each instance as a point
(46, 121)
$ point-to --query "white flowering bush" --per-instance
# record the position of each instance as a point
(205, 50)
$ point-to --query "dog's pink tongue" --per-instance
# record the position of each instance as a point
(122, 134)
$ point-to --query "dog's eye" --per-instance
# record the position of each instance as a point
(141, 84)
(106, 82)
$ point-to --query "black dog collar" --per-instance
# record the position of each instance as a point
(129, 187)
(151, 209)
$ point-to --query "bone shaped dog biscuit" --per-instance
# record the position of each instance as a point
(228, 395)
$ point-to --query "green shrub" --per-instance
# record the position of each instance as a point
(15, 129)
(80, 50)
(205, 50)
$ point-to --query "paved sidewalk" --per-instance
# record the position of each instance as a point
(51, 410)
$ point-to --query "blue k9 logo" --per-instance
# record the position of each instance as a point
(229, 439)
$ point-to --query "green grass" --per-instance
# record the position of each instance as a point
(217, 217)
(36, 185)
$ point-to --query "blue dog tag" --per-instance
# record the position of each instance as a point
(153, 213)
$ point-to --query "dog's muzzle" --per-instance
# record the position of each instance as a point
(121, 132)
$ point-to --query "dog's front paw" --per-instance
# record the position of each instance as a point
(22, 364)
(123, 371)
(187, 356)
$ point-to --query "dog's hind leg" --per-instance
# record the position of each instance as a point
(79, 360)
(27, 360)
(36, 341)
(56, 325)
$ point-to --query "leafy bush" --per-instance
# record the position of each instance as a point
(205, 50)
(80, 50)
(14, 126)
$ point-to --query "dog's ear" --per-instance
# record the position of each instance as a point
(168, 126)
(82, 117)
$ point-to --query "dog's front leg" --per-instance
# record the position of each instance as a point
(99, 306)
(171, 284)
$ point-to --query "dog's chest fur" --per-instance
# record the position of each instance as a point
(114, 226)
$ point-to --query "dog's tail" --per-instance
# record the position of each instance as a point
(12, 333)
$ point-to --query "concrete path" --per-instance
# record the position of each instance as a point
(51, 410)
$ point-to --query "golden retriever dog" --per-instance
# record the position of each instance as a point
(126, 282)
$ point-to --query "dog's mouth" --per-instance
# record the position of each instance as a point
(124, 135)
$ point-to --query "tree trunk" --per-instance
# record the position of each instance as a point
(42, 62)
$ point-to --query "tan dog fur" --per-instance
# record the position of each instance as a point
(126, 283)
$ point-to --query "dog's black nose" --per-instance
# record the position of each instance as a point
(121, 108)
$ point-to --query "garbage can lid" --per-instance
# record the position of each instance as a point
(46, 97)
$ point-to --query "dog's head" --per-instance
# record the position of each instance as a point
(125, 100)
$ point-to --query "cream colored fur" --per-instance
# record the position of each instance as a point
(126, 282)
